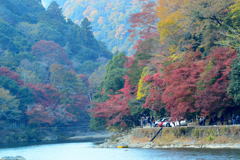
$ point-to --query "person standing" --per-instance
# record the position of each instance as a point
(153, 121)
(149, 121)
(141, 121)
(237, 119)
(233, 119)
(222, 120)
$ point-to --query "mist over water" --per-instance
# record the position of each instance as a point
(87, 151)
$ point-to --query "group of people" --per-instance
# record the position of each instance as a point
(202, 121)
(147, 121)
(234, 120)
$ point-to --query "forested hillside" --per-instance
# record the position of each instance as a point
(109, 18)
(45, 62)
(186, 65)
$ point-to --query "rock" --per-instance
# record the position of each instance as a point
(148, 145)
(50, 138)
(13, 158)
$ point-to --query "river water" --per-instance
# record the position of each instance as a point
(87, 151)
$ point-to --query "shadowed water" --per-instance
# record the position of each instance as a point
(87, 151)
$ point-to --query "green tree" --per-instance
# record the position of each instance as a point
(114, 74)
(87, 34)
(55, 12)
(234, 85)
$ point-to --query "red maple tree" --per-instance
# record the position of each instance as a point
(116, 107)
(213, 97)
(51, 52)
(143, 24)
(47, 108)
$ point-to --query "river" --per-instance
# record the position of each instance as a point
(88, 151)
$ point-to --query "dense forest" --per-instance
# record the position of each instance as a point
(45, 63)
(186, 65)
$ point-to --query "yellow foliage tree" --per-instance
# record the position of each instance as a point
(8, 102)
(143, 86)
(235, 8)
(235, 13)
(232, 37)
(171, 18)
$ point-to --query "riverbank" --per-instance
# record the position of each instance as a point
(94, 137)
(13, 158)
(91, 137)
(215, 137)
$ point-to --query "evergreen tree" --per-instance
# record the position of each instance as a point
(54, 11)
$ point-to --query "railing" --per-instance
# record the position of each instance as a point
(158, 132)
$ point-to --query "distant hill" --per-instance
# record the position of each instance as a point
(23, 23)
(109, 18)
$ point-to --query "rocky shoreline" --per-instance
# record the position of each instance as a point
(217, 137)
(13, 158)
(171, 146)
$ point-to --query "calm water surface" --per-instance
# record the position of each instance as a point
(87, 151)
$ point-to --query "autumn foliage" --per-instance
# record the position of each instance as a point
(10, 74)
(50, 52)
(212, 95)
(188, 71)
(116, 107)
(143, 24)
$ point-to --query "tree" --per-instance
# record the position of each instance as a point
(73, 89)
(66, 81)
(11, 81)
(96, 79)
(234, 87)
(143, 88)
(143, 24)
(206, 11)
(50, 52)
(9, 106)
(171, 21)
(48, 108)
(231, 25)
(42, 115)
(87, 34)
(55, 12)
(114, 74)
(156, 87)
(205, 23)
(142, 58)
(192, 85)
(180, 80)
(116, 108)
(234, 14)
(10, 74)
(28, 76)
(212, 96)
